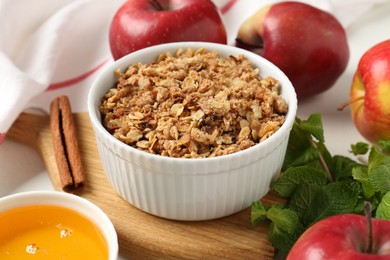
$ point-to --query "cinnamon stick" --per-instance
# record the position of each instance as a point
(66, 147)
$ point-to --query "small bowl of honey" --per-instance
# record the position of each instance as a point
(54, 225)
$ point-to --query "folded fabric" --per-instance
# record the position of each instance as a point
(50, 48)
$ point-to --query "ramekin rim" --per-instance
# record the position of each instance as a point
(98, 126)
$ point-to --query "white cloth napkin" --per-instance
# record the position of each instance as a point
(50, 48)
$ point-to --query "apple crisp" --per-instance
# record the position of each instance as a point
(193, 104)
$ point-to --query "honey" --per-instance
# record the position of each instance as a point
(49, 232)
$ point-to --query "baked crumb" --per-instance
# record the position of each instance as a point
(194, 104)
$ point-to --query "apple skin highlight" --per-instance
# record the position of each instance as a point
(342, 237)
(140, 24)
(370, 94)
(308, 44)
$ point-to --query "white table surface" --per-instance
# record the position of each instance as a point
(21, 168)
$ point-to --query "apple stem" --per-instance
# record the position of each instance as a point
(347, 103)
(367, 212)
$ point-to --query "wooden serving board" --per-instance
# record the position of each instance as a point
(141, 235)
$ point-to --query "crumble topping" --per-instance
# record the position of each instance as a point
(193, 104)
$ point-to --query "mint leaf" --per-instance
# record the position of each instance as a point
(360, 148)
(285, 219)
(313, 125)
(335, 198)
(359, 207)
(385, 145)
(258, 213)
(383, 209)
(298, 148)
(379, 170)
(286, 185)
(308, 155)
(360, 174)
(281, 239)
(343, 167)
(285, 227)
(303, 198)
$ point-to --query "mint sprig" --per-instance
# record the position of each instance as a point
(317, 184)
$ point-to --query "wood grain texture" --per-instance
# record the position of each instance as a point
(141, 235)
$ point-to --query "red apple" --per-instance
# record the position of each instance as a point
(343, 237)
(142, 23)
(370, 93)
(308, 44)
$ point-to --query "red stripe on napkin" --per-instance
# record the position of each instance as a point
(67, 83)
(75, 80)
(228, 6)
(2, 137)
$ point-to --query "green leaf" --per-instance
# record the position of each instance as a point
(258, 213)
(306, 156)
(298, 143)
(285, 227)
(283, 218)
(302, 148)
(282, 240)
(343, 167)
(335, 198)
(379, 170)
(303, 199)
(288, 182)
(385, 145)
(360, 173)
(359, 207)
(360, 148)
(383, 209)
(313, 125)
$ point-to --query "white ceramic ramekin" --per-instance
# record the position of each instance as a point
(190, 189)
(86, 208)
